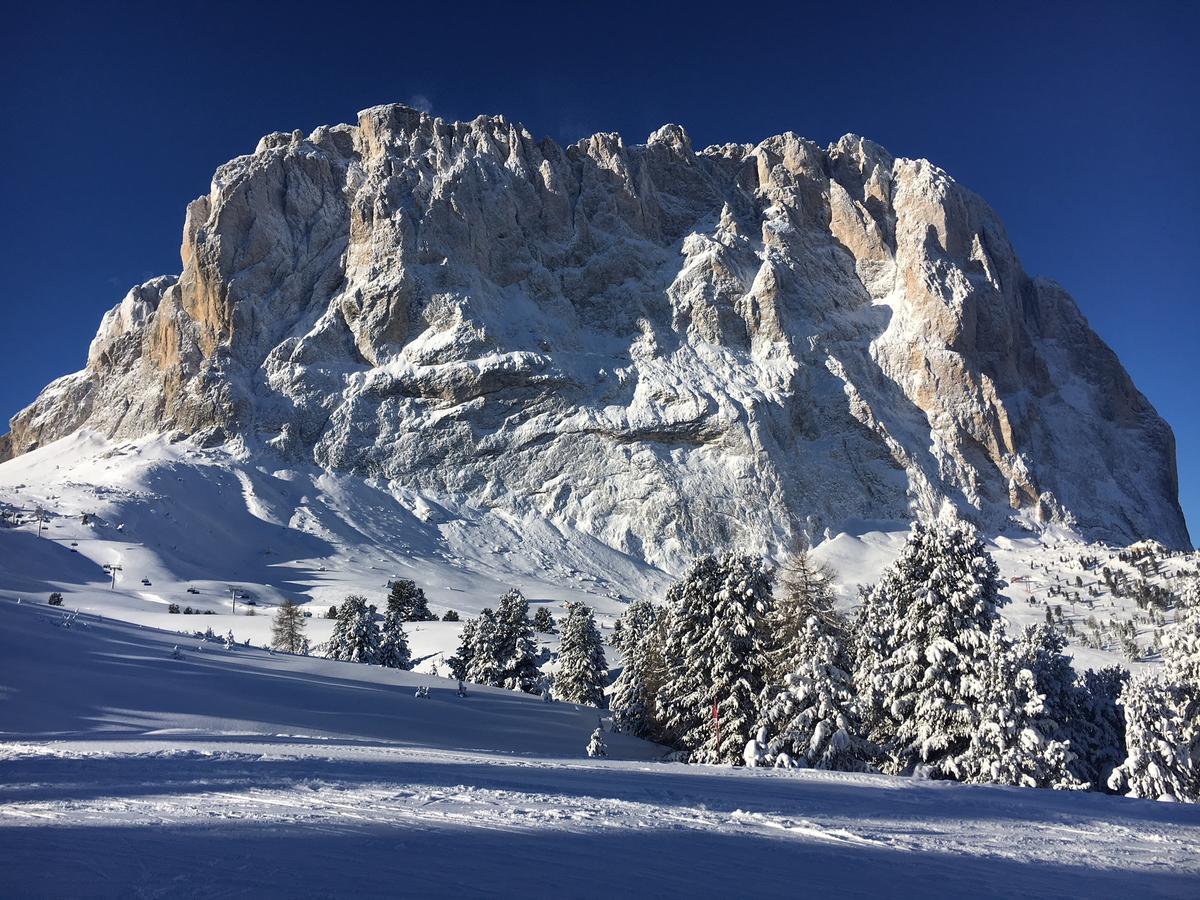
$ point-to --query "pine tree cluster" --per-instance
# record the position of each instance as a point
(736, 669)
(357, 637)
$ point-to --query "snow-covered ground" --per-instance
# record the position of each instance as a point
(125, 772)
(176, 517)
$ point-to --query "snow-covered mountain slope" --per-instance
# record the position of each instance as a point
(186, 525)
(125, 772)
(664, 349)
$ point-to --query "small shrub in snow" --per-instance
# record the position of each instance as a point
(450, 616)
(56, 599)
(596, 746)
(173, 608)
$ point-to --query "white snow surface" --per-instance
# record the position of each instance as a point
(125, 772)
(182, 517)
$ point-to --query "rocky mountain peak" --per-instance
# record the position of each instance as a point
(668, 349)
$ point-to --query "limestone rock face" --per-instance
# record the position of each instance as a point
(668, 349)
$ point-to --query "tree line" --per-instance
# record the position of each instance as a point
(745, 666)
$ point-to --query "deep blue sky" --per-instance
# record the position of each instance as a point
(1079, 123)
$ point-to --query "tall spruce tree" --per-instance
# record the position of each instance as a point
(485, 652)
(1162, 721)
(287, 630)
(640, 640)
(1079, 711)
(812, 718)
(582, 669)
(638, 620)
(925, 635)
(408, 602)
(715, 656)
(1098, 729)
(516, 648)
(355, 635)
(393, 643)
(1015, 741)
(460, 662)
(543, 621)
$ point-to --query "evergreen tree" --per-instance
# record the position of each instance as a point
(287, 631)
(408, 602)
(812, 720)
(484, 667)
(924, 639)
(1081, 712)
(543, 621)
(450, 616)
(638, 620)
(715, 656)
(355, 635)
(803, 589)
(516, 649)
(1098, 729)
(1162, 721)
(460, 662)
(1014, 740)
(596, 746)
(582, 669)
(393, 642)
(640, 640)
(332, 613)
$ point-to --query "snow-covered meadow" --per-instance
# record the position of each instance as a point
(125, 772)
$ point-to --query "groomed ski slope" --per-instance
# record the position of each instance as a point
(124, 772)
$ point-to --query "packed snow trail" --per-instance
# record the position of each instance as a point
(124, 772)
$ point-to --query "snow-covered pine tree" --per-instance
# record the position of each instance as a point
(1081, 711)
(638, 620)
(1160, 738)
(355, 634)
(460, 662)
(409, 602)
(582, 670)
(715, 656)
(596, 746)
(923, 647)
(393, 642)
(543, 621)
(1162, 721)
(633, 692)
(1098, 729)
(812, 720)
(287, 631)
(803, 589)
(485, 652)
(516, 649)
(1014, 742)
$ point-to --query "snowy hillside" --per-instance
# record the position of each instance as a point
(126, 772)
(187, 525)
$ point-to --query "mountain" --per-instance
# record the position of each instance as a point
(666, 349)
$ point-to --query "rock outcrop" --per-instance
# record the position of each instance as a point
(668, 349)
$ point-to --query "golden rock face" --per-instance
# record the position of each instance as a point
(664, 348)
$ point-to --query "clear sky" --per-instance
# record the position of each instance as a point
(1079, 122)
